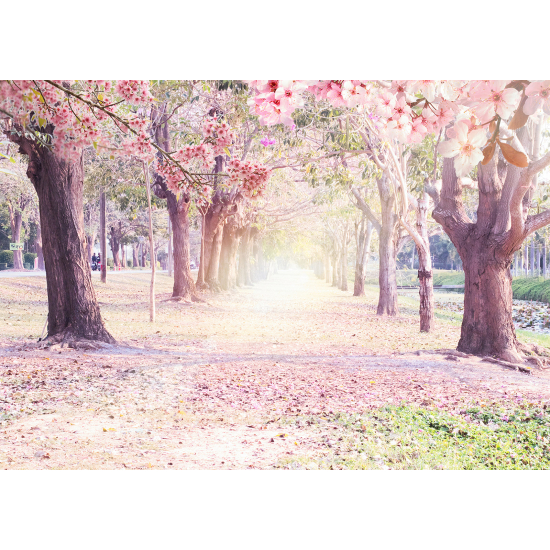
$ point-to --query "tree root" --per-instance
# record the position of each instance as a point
(68, 339)
(187, 299)
(514, 366)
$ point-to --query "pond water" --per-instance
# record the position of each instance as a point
(533, 316)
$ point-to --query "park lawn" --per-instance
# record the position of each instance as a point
(406, 437)
(124, 303)
(208, 373)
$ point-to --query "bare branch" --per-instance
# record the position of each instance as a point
(364, 207)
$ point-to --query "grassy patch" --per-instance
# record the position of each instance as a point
(531, 288)
(409, 438)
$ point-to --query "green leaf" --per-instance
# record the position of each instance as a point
(11, 159)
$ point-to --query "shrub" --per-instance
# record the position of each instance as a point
(6, 257)
(110, 262)
(129, 263)
(29, 258)
(531, 288)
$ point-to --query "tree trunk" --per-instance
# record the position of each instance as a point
(228, 257)
(16, 219)
(425, 272)
(114, 241)
(328, 268)
(387, 301)
(89, 247)
(123, 256)
(214, 263)
(243, 274)
(344, 263)
(389, 242)
(532, 256)
(335, 268)
(178, 223)
(16, 235)
(152, 309)
(184, 286)
(38, 244)
(486, 249)
(212, 220)
(363, 239)
(487, 326)
(103, 235)
(170, 255)
(73, 311)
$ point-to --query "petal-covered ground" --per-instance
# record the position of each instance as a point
(214, 385)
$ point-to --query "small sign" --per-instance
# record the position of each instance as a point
(16, 246)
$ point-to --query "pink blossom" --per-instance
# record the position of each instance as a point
(498, 101)
(538, 95)
(464, 147)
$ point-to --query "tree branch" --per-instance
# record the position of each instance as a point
(364, 207)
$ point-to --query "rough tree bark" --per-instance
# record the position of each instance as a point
(115, 236)
(487, 246)
(73, 311)
(390, 241)
(16, 219)
(425, 273)
(233, 230)
(213, 220)
(214, 264)
(103, 235)
(89, 246)
(38, 245)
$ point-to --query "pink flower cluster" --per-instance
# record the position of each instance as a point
(253, 177)
(220, 134)
(277, 100)
(217, 137)
(408, 110)
(77, 124)
(135, 92)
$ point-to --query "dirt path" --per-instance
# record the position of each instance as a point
(231, 383)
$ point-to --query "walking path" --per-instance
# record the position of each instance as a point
(216, 389)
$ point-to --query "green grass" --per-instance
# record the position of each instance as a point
(531, 288)
(409, 277)
(406, 437)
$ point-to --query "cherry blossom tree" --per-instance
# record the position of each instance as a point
(484, 122)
